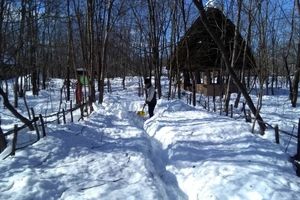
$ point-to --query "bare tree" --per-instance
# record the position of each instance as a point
(188, 63)
(106, 31)
(154, 42)
(296, 79)
(174, 32)
(8, 105)
(234, 54)
(33, 41)
(91, 55)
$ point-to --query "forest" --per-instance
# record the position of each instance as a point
(45, 39)
(76, 75)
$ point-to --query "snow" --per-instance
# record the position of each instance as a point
(214, 4)
(182, 152)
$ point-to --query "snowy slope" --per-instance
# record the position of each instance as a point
(214, 157)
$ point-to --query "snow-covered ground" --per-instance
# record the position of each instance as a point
(183, 152)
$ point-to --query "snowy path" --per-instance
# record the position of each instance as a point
(215, 157)
(158, 158)
(110, 156)
(181, 153)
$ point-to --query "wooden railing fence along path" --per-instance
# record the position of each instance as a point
(246, 114)
(39, 123)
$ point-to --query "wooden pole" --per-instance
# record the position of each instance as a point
(35, 124)
(37, 129)
(64, 116)
(14, 141)
(71, 110)
(81, 112)
(43, 125)
(231, 110)
(221, 108)
(298, 145)
(208, 102)
(226, 111)
(1, 131)
(57, 115)
(214, 100)
(277, 134)
(3, 142)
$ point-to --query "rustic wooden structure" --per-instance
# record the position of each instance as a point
(8, 68)
(205, 60)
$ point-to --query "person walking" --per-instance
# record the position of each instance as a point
(150, 96)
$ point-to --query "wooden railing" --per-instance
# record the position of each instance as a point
(40, 118)
(246, 114)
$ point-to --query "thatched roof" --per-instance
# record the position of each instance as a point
(203, 51)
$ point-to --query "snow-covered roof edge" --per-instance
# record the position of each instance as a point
(214, 4)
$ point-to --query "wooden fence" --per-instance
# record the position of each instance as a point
(246, 114)
(40, 133)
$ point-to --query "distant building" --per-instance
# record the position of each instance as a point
(8, 67)
(205, 59)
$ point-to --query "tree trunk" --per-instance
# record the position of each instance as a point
(33, 48)
(295, 83)
(3, 142)
(8, 105)
(192, 75)
(104, 50)
(16, 89)
(90, 60)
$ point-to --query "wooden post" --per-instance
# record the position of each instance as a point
(208, 103)
(277, 134)
(3, 142)
(81, 112)
(298, 145)
(221, 108)
(36, 128)
(248, 116)
(244, 110)
(140, 89)
(226, 110)
(35, 124)
(200, 98)
(214, 100)
(71, 110)
(64, 116)
(14, 141)
(57, 115)
(43, 125)
(231, 110)
(1, 131)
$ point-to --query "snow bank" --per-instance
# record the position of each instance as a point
(215, 157)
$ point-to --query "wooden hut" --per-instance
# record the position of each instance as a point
(205, 59)
(8, 68)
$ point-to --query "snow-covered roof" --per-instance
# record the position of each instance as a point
(81, 69)
(214, 4)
